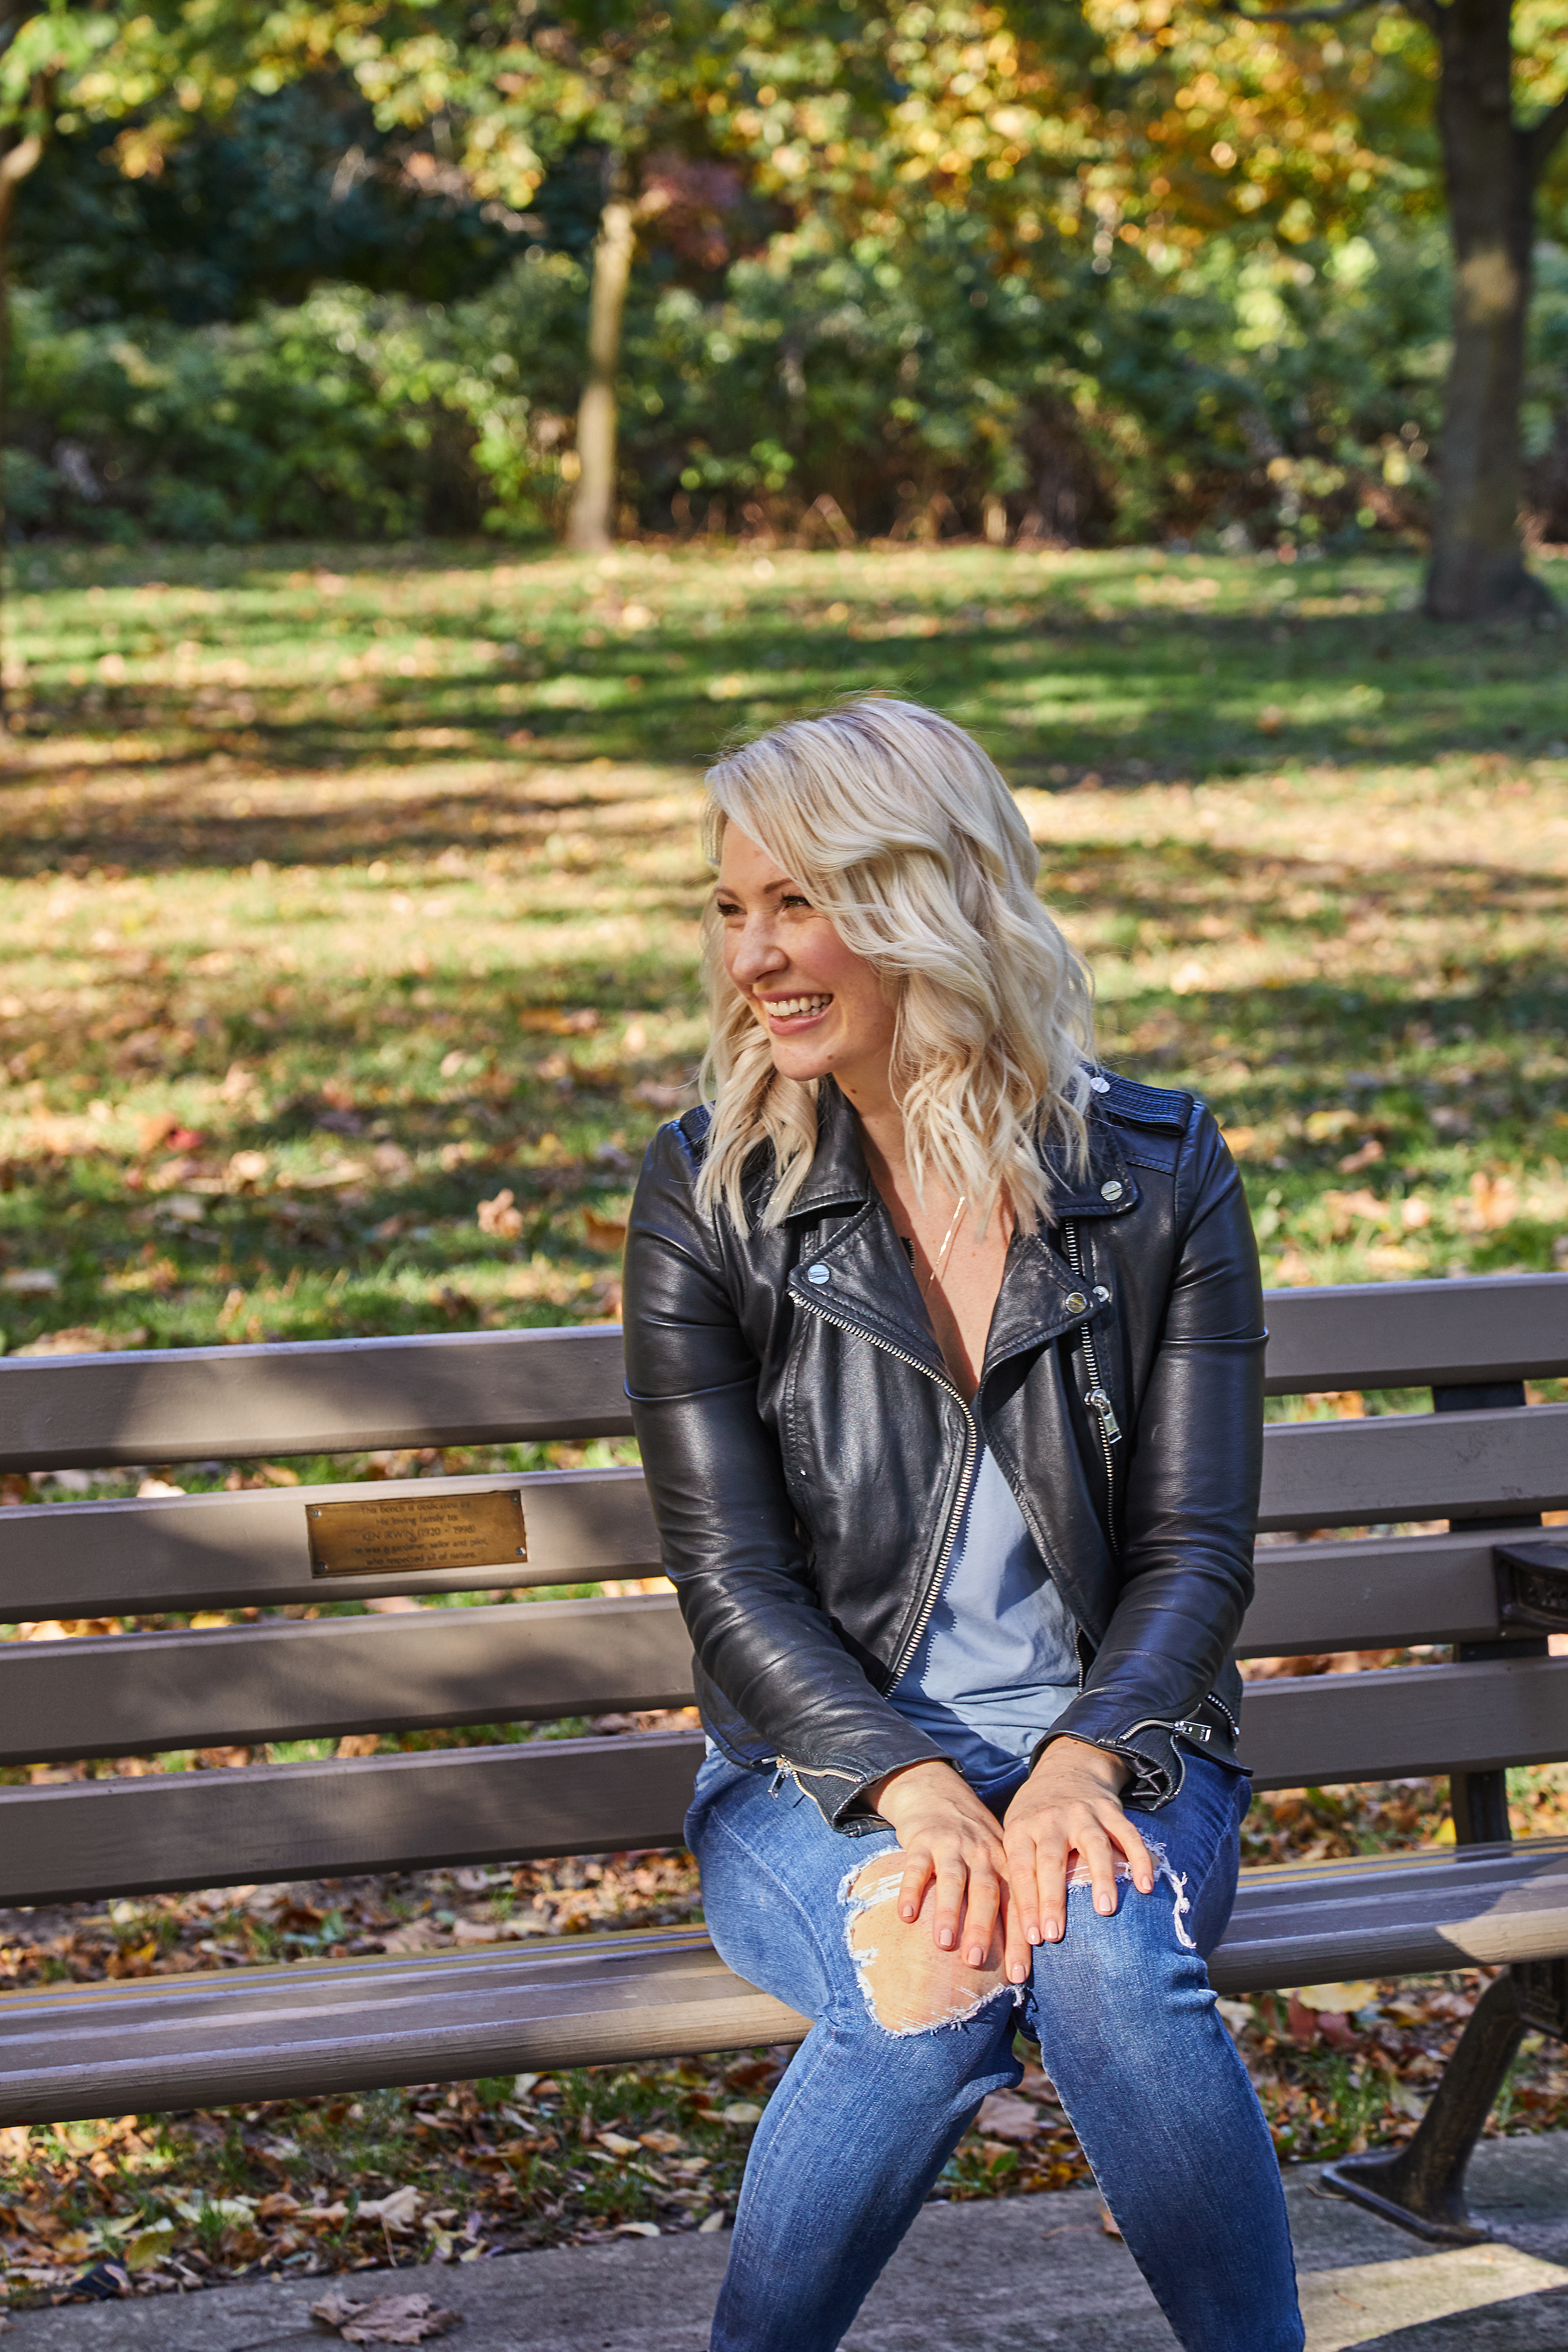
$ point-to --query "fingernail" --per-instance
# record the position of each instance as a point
(1103, 1903)
(975, 1957)
(1018, 1972)
(1033, 1934)
(946, 1938)
(1053, 1931)
(1145, 1886)
(906, 1911)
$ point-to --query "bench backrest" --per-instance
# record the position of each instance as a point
(1400, 1514)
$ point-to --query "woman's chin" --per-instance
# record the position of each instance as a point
(800, 1059)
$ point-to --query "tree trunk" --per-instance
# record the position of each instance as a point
(588, 529)
(1477, 570)
(15, 163)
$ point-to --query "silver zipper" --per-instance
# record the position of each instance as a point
(786, 1769)
(1216, 1700)
(1096, 1395)
(933, 1590)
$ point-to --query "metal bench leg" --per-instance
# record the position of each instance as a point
(1422, 2186)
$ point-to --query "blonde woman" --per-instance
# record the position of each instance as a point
(945, 1354)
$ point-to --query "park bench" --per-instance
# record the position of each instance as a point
(1483, 1461)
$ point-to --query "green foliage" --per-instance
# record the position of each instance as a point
(1279, 395)
(286, 192)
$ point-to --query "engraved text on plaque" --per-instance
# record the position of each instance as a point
(398, 1535)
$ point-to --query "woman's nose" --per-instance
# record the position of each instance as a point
(756, 952)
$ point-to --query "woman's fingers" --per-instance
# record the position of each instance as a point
(984, 1901)
(1138, 1858)
(1096, 1855)
(914, 1882)
(951, 1886)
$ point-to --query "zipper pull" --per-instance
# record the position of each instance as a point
(1097, 1400)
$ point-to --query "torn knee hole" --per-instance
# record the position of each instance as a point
(908, 1986)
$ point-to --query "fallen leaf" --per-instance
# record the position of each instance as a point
(1343, 1997)
(391, 2319)
(149, 2245)
(1005, 2115)
(1365, 1155)
(83, 1339)
(742, 2112)
(500, 1217)
(398, 2212)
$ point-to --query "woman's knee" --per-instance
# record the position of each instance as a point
(1140, 1961)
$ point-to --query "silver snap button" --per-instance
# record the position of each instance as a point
(1100, 1292)
(1099, 1085)
(1076, 1302)
(1110, 1190)
(817, 1274)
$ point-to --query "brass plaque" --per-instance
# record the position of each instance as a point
(399, 1535)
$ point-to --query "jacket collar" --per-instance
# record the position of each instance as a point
(839, 1178)
(860, 1274)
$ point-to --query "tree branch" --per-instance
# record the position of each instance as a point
(1545, 135)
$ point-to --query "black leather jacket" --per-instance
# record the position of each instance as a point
(809, 1455)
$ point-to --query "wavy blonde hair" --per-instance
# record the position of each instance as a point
(903, 832)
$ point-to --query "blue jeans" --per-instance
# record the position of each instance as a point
(868, 2112)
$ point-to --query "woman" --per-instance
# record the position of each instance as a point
(945, 1355)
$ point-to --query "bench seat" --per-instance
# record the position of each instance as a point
(350, 2025)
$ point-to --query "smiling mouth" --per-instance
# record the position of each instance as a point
(794, 1008)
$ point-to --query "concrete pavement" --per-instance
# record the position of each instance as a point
(1016, 2275)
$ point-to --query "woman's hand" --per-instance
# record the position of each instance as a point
(1070, 1804)
(947, 1834)
(1016, 1870)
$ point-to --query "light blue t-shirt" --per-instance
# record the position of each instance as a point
(999, 1661)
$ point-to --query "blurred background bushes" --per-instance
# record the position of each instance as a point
(298, 329)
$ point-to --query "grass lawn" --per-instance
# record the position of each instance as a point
(348, 902)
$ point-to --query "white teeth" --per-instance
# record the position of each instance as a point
(788, 1008)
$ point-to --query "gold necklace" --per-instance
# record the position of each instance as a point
(934, 1277)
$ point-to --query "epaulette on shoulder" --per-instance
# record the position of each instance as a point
(1143, 1106)
(694, 1125)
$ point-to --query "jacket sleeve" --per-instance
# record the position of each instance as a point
(1191, 1497)
(730, 1542)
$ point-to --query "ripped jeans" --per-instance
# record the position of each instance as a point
(878, 2097)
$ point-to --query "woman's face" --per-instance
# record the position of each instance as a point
(821, 1005)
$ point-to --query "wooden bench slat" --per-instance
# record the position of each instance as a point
(1400, 1334)
(86, 1560)
(1414, 1466)
(130, 1693)
(1372, 1593)
(73, 1841)
(249, 1549)
(59, 1841)
(311, 1396)
(491, 1386)
(1324, 1728)
(1401, 1915)
(277, 2032)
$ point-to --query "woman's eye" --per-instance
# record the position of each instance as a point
(725, 910)
(794, 898)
